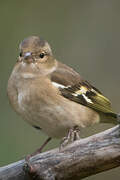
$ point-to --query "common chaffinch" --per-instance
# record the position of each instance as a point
(53, 97)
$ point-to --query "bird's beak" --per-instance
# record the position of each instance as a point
(27, 55)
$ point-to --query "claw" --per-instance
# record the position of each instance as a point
(73, 135)
(28, 167)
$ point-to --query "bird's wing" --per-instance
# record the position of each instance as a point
(80, 91)
(87, 95)
(65, 75)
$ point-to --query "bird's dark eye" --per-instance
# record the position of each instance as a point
(42, 55)
(20, 54)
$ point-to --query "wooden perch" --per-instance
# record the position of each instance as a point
(80, 159)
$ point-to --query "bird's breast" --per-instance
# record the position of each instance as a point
(54, 117)
(43, 106)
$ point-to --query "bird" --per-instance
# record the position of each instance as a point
(52, 97)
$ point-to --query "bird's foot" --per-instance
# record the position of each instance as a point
(28, 166)
(73, 135)
(31, 171)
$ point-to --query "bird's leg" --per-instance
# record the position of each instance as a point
(73, 135)
(39, 150)
(28, 166)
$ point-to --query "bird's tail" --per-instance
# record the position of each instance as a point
(118, 118)
(111, 117)
(115, 118)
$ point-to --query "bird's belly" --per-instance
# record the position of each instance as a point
(56, 119)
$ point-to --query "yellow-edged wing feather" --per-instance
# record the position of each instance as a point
(86, 94)
(101, 103)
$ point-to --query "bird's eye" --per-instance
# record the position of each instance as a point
(42, 55)
(20, 54)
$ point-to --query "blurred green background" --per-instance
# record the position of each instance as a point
(83, 34)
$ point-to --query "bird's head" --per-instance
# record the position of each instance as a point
(35, 56)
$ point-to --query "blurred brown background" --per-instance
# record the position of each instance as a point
(83, 34)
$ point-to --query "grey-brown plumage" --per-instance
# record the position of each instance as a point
(34, 42)
(50, 95)
(65, 75)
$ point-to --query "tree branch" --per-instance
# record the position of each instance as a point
(80, 159)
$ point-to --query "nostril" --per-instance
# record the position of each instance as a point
(27, 55)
